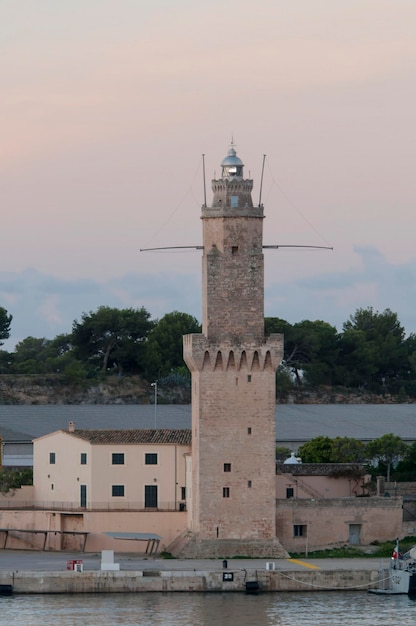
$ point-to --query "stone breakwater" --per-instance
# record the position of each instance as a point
(243, 580)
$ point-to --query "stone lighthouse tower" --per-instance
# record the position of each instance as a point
(232, 501)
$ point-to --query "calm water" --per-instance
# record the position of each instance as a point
(194, 609)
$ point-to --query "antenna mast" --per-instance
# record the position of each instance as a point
(203, 174)
(261, 179)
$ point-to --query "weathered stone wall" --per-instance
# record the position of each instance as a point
(233, 279)
(232, 419)
(199, 581)
(167, 525)
(326, 523)
(200, 548)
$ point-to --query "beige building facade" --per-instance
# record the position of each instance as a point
(317, 505)
(112, 469)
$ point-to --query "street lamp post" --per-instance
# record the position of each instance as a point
(155, 402)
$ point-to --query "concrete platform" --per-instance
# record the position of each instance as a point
(31, 560)
(46, 572)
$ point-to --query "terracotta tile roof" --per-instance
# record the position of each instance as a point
(134, 436)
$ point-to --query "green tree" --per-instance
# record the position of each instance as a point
(275, 325)
(409, 369)
(317, 450)
(348, 450)
(282, 453)
(164, 348)
(5, 322)
(59, 353)
(10, 480)
(30, 356)
(373, 350)
(406, 467)
(112, 337)
(296, 352)
(284, 382)
(6, 362)
(35, 355)
(387, 450)
(321, 342)
(310, 348)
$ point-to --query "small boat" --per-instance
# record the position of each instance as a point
(402, 573)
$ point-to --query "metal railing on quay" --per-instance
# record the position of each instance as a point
(58, 505)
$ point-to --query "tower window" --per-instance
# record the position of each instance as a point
(234, 250)
(227, 467)
(234, 202)
(249, 378)
(249, 430)
(225, 492)
(299, 530)
(249, 484)
(290, 492)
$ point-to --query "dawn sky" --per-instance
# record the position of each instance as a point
(107, 107)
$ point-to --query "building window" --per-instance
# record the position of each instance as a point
(227, 467)
(234, 250)
(249, 484)
(83, 458)
(249, 430)
(299, 530)
(234, 202)
(150, 458)
(249, 378)
(117, 491)
(183, 493)
(83, 496)
(225, 492)
(52, 458)
(290, 492)
(117, 458)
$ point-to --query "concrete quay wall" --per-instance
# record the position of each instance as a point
(199, 581)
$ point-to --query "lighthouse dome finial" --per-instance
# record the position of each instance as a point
(232, 165)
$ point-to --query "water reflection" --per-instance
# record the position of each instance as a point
(194, 609)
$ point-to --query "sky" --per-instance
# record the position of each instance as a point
(108, 106)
